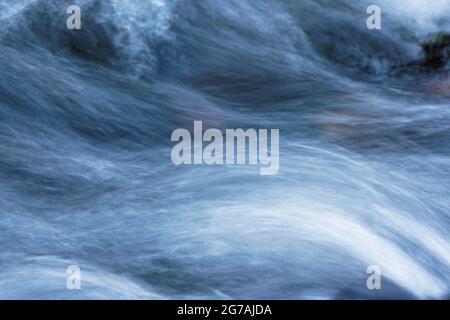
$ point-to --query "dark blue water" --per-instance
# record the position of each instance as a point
(86, 176)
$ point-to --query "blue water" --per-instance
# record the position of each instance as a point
(86, 176)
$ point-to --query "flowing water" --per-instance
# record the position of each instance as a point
(86, 176)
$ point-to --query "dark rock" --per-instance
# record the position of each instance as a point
(436, 56)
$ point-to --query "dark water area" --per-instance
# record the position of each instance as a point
(86, 176)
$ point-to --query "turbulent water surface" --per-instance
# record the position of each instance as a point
(86, 176)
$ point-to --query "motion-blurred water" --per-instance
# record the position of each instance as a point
(85, 170)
